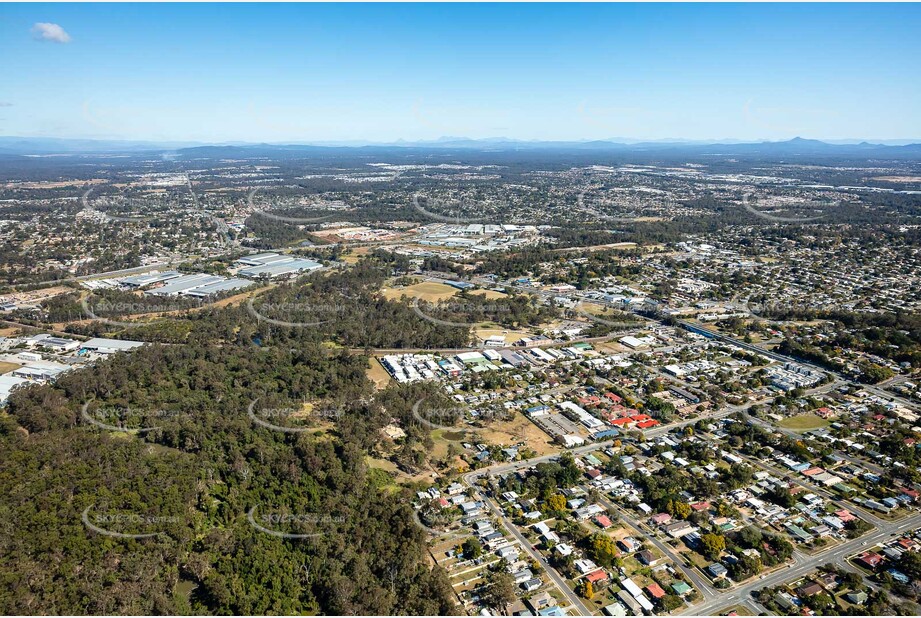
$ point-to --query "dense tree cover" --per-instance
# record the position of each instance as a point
(500, 590)
(662, 489)
(472, 548)
(894, 336)
(547, 479)
(419, 407)
(670, 602)
(659, 408)
(554, 266)
(513, 311)
(272, 233)
(751, 440)
(821, 603)
(343, 306)
(76, 306)
(193, 478)
(772, 549)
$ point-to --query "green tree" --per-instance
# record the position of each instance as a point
(682, 509)
(500, 591)
(472, 548)
(712, 545)
(604, 549)
(557, 502)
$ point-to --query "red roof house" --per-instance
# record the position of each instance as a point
(597, 576)
(604, 521)
(870, 559)
(845, 515)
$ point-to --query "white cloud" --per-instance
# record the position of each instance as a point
(50, 32)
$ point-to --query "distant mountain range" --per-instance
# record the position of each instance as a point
(793, 147)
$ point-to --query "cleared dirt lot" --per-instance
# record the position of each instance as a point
(520, 429)
(7, 367)
(490, 294)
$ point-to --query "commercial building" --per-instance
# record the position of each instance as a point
(198, 285)
(100, 345)
(274, 265)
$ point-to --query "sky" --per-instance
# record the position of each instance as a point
(380, 72)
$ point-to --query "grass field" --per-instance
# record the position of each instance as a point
(489, 294)
(510, 335)
(519, 429)
(7, 367)
(377, 374)
(400, 477)
(803, 422)
(613, 245)
(239, 298)
(443, 438)
(426, 290)
(595, 308)
(352, 256)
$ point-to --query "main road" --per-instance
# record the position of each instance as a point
(803, 566)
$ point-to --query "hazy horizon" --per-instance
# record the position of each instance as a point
(459, 138)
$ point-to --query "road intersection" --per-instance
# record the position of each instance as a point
(712, 599)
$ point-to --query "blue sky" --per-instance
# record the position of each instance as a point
(209, 72)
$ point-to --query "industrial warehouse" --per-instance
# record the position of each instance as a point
(173, 283)
(274, 265)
